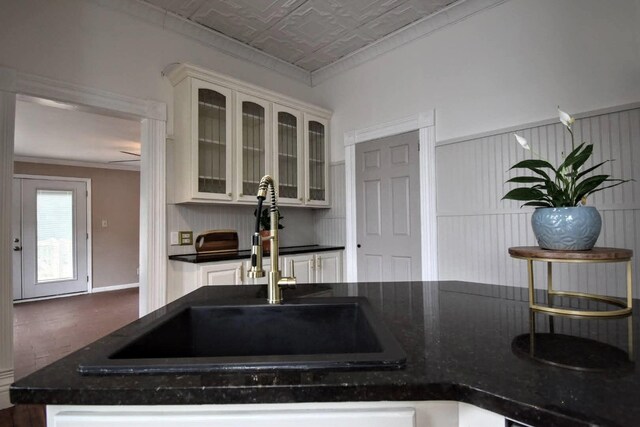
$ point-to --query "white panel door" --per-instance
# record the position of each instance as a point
(388, 209)
(54, 237)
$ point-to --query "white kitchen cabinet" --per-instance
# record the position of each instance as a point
(321, 267)
(203, 151)
(288, 163)
(339, 414)
(228, 134)
(186, 277)
(254, 151)
(303, 266)
(221, 274)
(329, 267)
(316, 160)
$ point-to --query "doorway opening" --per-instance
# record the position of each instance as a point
(91, 154)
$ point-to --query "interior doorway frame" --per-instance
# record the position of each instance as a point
(153, 251)
(424, 123)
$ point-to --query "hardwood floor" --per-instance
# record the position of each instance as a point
(45, 331)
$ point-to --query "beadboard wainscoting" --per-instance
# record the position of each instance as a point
(298, 223)
(330, 224)
(476, 228)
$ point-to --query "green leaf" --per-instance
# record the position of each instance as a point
(541, 173)
(538, 204)
(584, 172)
(581, 158)
(524, 194)
(570, 159)
(526, 179)
(620, 181)
(533, 164)
(588, 185)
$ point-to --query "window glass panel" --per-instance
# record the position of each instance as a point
(212, 139)
(316, 161)
(55, 243)
(253, 140)
(288, 155)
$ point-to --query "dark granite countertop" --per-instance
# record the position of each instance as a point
(246, 253)
(464, 341)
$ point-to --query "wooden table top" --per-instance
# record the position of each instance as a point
(595, 254)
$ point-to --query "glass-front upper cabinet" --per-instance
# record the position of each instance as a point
(213, 147)
(317, 161)
(253, 121)
(288, 150)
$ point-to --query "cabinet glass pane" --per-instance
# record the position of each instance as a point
(212, 141)
(54, 227)
(316, 161)
(288, 155)
(253, 150)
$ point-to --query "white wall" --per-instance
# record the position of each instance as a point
(80, 42)
(505, 66)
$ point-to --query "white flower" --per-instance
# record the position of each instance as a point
(566, 119)
(522, 141)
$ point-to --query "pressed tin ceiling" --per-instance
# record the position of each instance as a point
(310, 34)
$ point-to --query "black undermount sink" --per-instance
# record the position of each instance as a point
(312, 333)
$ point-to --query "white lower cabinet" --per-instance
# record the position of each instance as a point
(185, 277)
(347, 414)
(322, 267)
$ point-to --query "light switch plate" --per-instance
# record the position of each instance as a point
(173, 238)
(186, 238)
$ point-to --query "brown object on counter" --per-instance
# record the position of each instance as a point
(217, 241)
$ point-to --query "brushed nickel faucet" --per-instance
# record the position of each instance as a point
(275, 281)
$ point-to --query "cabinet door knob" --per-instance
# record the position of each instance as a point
(359, 245)
(17, 248)
(229, 194)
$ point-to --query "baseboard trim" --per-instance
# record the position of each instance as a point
(6, 379)
(115, 287)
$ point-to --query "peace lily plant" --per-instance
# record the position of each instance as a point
(565, 186)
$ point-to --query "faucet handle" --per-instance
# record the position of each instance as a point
(288, 282)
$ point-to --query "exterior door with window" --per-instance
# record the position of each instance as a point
(52, 237)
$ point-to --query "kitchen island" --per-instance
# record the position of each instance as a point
(465, 342)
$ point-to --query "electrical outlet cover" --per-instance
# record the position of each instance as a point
(186, 238)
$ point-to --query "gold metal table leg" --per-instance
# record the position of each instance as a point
(532, 302)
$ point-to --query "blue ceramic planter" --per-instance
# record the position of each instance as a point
(566, 229)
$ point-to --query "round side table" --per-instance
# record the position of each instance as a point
(595, 255)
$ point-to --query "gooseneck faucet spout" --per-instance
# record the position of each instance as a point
(275, 281)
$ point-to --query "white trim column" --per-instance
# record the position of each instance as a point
(153, 212)
(7, 124)
(428, 218)
(425, 124)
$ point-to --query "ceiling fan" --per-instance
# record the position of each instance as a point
(126, 161)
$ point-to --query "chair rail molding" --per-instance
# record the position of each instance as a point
(424, 123)
(152, 116)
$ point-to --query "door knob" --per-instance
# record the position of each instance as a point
(17, 248)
